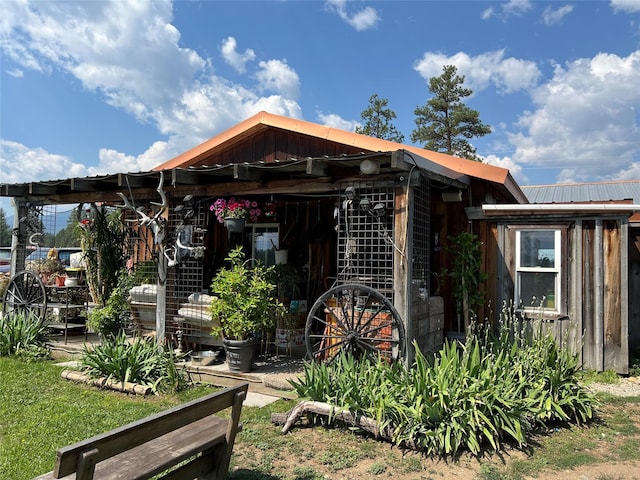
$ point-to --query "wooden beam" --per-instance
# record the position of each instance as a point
(398, 162)
(317, 167)
(246, 173)
(41, 189)
(131, 181)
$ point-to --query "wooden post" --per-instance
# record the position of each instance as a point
(401, 274)
(575, 295)
(598, 317)
(161, 296)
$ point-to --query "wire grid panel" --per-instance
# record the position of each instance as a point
(187, 310)
(39, 224)
(366, 236)
(420, 235)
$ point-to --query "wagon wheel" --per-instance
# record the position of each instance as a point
(26, 293)
(354, 318)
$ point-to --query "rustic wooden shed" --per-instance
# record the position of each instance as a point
(346, 207)
(569, 266)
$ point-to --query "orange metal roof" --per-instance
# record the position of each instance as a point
(264, 120)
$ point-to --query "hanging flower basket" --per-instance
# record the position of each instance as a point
(234, 224)
(235, 209)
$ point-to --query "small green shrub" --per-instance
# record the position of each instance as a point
(23, 334)
(138, 361)
(114, 316)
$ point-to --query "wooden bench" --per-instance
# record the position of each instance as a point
(190, 435)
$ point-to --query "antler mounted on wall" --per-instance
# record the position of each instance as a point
(155, 223)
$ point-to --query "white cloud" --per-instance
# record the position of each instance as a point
(336, 121)
(279, 77)
(630, 173)
(361, 20)
(112, 161)
(16, 72)
(131, 54)
(508, 163)
(233, 58)
(551, 16)
(586, 121)
(508, 9)
(20, 163)
(627, 6)
(492, 68)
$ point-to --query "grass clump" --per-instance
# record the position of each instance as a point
(495, 388)
(138, 361)
(23, 334)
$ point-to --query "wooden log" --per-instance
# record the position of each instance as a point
(333, 413)
(102, 382)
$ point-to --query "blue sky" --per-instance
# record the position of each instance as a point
(93, 87)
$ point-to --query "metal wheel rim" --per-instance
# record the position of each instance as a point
(25, 293)
(362, 321)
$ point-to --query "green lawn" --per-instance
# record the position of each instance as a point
(40, 412)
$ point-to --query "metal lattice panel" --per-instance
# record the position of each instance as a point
(184, 316)
(421, 235)
(365, 236)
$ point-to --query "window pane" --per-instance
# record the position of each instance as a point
(264, 241)
(537, 249)
(536, 286)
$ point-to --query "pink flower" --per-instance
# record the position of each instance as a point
(235, 208)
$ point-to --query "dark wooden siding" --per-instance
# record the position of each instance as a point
(273, 144)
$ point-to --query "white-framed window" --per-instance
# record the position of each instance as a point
(538, 269)
(265, 240)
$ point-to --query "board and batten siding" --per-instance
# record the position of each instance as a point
(594, 318)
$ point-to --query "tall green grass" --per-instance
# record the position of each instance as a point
(492, 389)
(138, 360)
(23, 334)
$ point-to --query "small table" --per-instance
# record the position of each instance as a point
(67, 299)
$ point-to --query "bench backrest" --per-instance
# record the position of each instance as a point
(141, 431)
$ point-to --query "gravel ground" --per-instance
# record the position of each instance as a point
(626, 387)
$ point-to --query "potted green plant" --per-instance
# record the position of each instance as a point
(245, 305)
(48, 268)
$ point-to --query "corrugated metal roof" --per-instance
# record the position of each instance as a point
(584, 192)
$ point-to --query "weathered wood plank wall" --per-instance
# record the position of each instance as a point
(596, 269)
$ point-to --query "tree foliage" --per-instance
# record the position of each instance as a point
(377, 118)
(444, 123)
(5, 230)
(101, 233)
(68, 236)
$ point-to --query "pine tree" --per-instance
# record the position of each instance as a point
(378, 119)
(445, 123)
(5, 230)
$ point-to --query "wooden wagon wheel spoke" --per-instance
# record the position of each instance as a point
(357, 319)
(26, 293)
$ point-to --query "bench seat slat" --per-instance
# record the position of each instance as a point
(164, 452)
(141, 431)
(191, 433)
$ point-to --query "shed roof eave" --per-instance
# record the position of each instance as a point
(539, 208)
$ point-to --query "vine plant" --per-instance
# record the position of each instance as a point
(466, 273)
